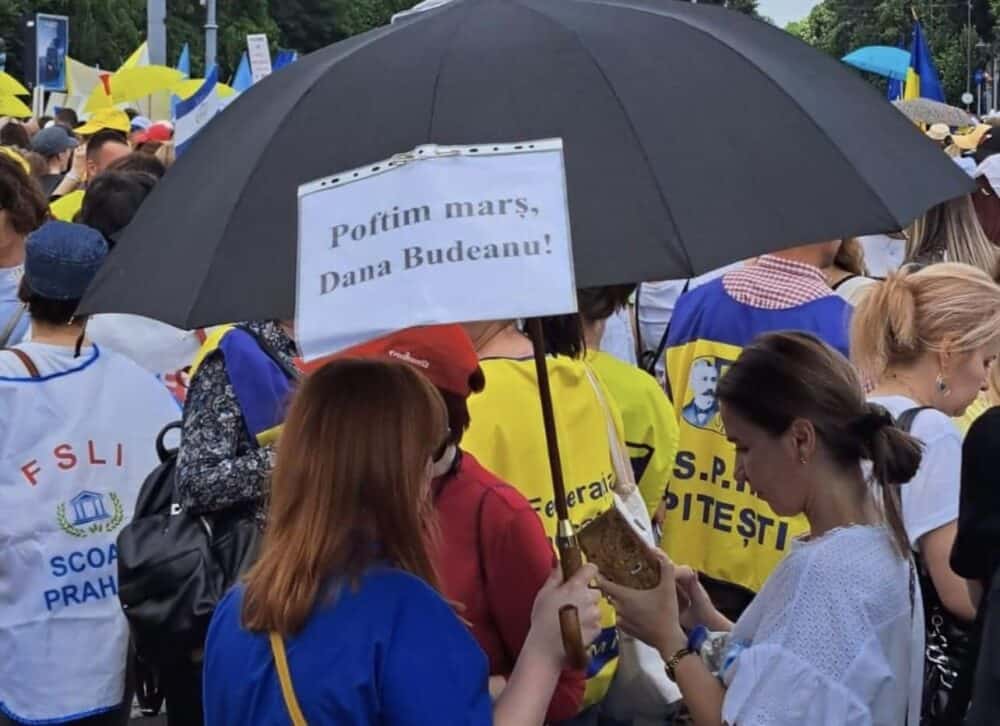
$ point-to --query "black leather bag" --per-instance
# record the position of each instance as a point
(949, 653)
(174, 567)
(948, 661)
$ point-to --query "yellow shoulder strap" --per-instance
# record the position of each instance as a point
(285, 677)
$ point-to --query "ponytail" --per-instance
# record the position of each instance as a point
(884, 326)
(944, 307)
(895, 458)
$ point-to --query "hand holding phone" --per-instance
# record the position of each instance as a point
(619, 552)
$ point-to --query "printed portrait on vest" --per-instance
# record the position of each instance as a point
(702, 411)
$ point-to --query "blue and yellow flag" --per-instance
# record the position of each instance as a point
(262, 388)
(922, 79)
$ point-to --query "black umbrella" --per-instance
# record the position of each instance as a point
(792, 148)
(788, 147)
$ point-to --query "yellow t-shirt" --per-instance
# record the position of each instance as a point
(977, 408)
(651, 431)
(507, 436)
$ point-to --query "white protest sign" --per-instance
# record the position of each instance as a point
(438, 235)
(259, 53)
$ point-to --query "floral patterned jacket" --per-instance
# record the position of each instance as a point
(220, 467)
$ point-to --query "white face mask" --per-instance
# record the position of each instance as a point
(443, 465)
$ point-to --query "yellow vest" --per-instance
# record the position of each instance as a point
(508, 437)
(715, 524)
(650, 422)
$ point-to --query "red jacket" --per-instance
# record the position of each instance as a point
(493, 559)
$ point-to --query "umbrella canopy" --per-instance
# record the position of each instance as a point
(883, 60)
(131, 84)
(13, 106)
(10, 86)
(815, 153)
(188, 87)
(926, 111)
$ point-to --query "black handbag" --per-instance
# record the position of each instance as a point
(949, 653)
(949, 658)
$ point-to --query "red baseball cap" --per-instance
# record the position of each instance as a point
(443, 353)
(161, 131)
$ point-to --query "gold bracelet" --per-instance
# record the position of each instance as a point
(675, 660)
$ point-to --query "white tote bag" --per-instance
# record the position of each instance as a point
(641, 692)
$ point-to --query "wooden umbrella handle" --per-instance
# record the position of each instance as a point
(571, 559)
(576, 652)
(566, 542)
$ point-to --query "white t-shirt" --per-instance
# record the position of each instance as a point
(10, 305)
(930, 499)
(833, 637)
(853, 289)
(883, 254)
(657, 301)
(619, 338)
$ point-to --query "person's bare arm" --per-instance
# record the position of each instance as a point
(525, 698)
(72, 181)
(954, 591)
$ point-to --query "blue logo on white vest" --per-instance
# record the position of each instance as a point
(90, 515)
(88, 507)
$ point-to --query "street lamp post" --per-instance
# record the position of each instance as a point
(211, 33)
(156, 31)
(968, 45)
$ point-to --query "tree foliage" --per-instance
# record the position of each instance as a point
(839, 26)
(105, 32)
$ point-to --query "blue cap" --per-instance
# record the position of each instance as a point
(141, 123)
(53, 141)
(61, 259)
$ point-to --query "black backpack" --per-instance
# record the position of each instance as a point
(174, 567)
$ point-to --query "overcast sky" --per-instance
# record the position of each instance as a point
(785, 11)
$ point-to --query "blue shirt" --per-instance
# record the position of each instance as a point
(391, 652)
(10, 280)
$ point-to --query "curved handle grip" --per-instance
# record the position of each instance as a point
(576, 653)
(571, 559)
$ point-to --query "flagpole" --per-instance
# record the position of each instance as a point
(968, 47)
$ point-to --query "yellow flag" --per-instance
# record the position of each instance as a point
(912, 89)
(139, 58)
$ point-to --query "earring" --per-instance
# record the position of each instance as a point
(942, 385)
(802, 460)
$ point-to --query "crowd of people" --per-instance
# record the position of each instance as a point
(813, 434)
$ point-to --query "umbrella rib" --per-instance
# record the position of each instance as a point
(320, 73)
(766, 77)
(628, 119)
(437, 76)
